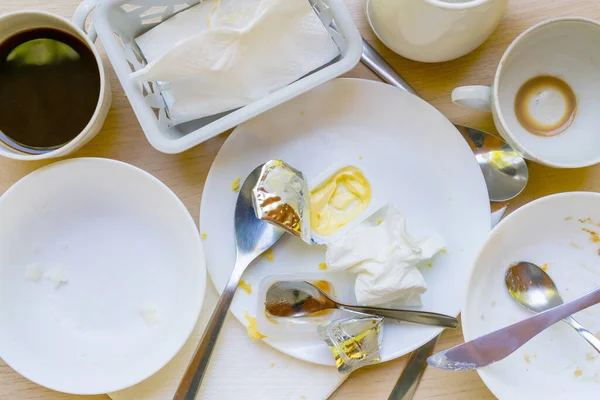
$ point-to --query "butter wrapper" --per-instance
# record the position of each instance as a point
(281, 197)
(354, 342)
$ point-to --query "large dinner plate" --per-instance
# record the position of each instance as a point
(559, 233)
(412, 153)
(132, 260)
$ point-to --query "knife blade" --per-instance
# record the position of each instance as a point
(499, 344)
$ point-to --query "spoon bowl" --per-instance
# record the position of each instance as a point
(534, 290)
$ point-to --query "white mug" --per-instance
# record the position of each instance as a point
(19, 21)
(434, 30)
(563, 48)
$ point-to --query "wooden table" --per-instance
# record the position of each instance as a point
(122, 139)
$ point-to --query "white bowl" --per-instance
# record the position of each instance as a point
(135, 271)
(550, 231)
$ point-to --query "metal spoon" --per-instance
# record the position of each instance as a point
(252, 238)
(298, 299)
(533, 288)
(504, 170)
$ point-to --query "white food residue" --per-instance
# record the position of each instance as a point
(149, 314)
(384, 258)
(34, 272)
(57, 276)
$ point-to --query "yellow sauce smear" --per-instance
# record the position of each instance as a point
(338, 200)
(252, 329)
(245, 286)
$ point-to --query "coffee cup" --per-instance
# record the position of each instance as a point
(434, 30)
(545, 94)
(21, 28)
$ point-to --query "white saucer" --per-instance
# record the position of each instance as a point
(556, 364)
(410, 150)
(135, 271)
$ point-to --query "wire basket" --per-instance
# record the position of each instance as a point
(119, 22)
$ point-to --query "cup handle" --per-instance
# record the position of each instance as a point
(477, 97)
(81, 14)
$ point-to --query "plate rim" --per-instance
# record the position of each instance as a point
(202, 264)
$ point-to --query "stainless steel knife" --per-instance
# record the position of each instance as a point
(497, 345)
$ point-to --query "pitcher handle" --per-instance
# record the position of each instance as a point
(80, 16)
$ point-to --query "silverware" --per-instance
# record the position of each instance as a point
(480, 142)
(499, 344)
(408, 381)
(533, 289)
(299, 298)
(504, 170)
(252, 238)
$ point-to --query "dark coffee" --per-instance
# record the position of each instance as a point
(49, 89)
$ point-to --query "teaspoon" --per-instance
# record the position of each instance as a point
(300, 298)
(533, 289)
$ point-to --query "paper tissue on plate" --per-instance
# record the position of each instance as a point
(224, 54)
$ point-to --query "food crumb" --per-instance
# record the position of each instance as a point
(379, 222)
(593, 235)
(535, 356)
(33, 273)
(430, 265)
(252, 329)
(322, 266)
(235, 185)
(568, 218)
(360, 157)
(584, 220)
(527, 360)
(494, 303)
(57, 276)
(578, 372)
(272, 365)
(444, 251)
(204, 236)
(149, 314)
(269, 255)
(591, 356)
(574, 245)
(245, 286)
(301, 113)
(544, 267)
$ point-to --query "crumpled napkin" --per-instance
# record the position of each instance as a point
(240, 52)
(384, 257)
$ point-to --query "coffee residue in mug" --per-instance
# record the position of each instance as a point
(545, 105)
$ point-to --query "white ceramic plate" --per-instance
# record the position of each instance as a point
(411, 151)
(546, 231)
(127, 246)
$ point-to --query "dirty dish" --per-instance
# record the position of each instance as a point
(102, 276)
(394, 136)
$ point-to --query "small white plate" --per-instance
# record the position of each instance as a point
(127, 247)
(410, 150)
(558, 363)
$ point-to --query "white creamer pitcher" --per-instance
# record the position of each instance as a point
(434, 30)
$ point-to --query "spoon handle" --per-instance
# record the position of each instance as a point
(190, 383)
(418, 317)
(587, 335)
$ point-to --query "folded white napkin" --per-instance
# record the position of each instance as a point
(219, 56)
